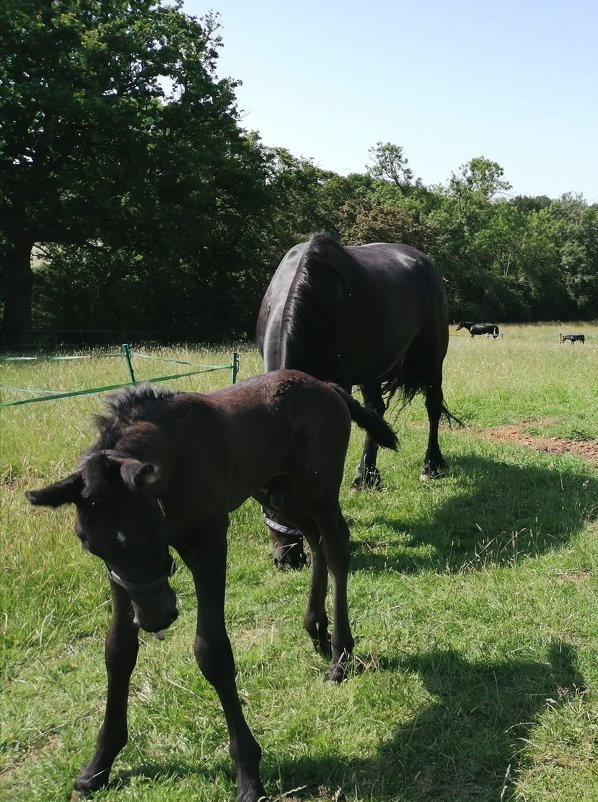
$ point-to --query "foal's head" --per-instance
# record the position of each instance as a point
(121, 520)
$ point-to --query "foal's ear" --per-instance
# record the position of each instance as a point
(65, 491)
(137, 474)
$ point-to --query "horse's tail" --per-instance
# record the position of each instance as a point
(449, 417)
(369, 420)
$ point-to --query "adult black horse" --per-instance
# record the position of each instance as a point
(371, 315)
(479, 328)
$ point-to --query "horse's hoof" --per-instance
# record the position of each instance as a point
(252, 794)
(357, 486)
(429, 472)
(77, 795)
(371, 481)
(337, 673)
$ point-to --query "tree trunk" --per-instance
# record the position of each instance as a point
(18, 293)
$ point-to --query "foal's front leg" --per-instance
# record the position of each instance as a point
(214, 656)
(121, 647)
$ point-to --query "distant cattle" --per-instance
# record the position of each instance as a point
(573, 338)
(479, 328)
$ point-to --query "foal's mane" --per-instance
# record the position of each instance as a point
(309, 321)
(125, 407)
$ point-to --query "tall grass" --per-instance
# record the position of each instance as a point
(473, 601)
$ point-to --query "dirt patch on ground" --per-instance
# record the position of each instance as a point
(587, 449)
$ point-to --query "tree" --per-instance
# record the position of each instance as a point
(390, 164)
(371, 222)
(114, 132)
(480, 178)
(295, 185)
(573, 228)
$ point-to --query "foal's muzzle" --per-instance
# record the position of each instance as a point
(154, 602)
(156, 612)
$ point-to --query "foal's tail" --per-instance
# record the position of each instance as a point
(369, 420)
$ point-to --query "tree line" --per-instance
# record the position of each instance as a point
(131, 196)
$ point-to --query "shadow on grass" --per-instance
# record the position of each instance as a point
(503, 512)
(464, 747)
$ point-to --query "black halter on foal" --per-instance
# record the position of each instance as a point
(143, 587)
(284, 530)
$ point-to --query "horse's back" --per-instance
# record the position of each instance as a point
(403, 276)
(278, 423)
(361, 309)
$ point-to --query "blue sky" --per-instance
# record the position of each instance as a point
(514, 81)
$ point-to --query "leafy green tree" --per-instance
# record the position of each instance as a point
(296, 186)
(116, 133)
(573, 227)
(372, 222)
(529, 203)
(390, 164)
(479, 179)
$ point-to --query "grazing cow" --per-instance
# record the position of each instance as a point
(573, 338)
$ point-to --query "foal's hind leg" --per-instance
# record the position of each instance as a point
(121, 647)
(434, 463)
(368, 474)
(315, 619)
(332, 550)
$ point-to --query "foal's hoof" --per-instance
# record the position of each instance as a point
(337, 673)
(368, 480)
(433, 472)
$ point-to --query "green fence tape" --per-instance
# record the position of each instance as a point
(94, 390)
(54, 358)
(52, 395)
(30, 390)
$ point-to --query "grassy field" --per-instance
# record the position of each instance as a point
(473, 600)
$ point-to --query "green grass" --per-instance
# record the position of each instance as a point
(473, 601)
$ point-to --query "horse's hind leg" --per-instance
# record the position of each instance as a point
(121, 647)
(335, 545)
(368, 474)
(434, 463)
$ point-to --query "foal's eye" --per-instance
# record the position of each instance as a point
(121, 537)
